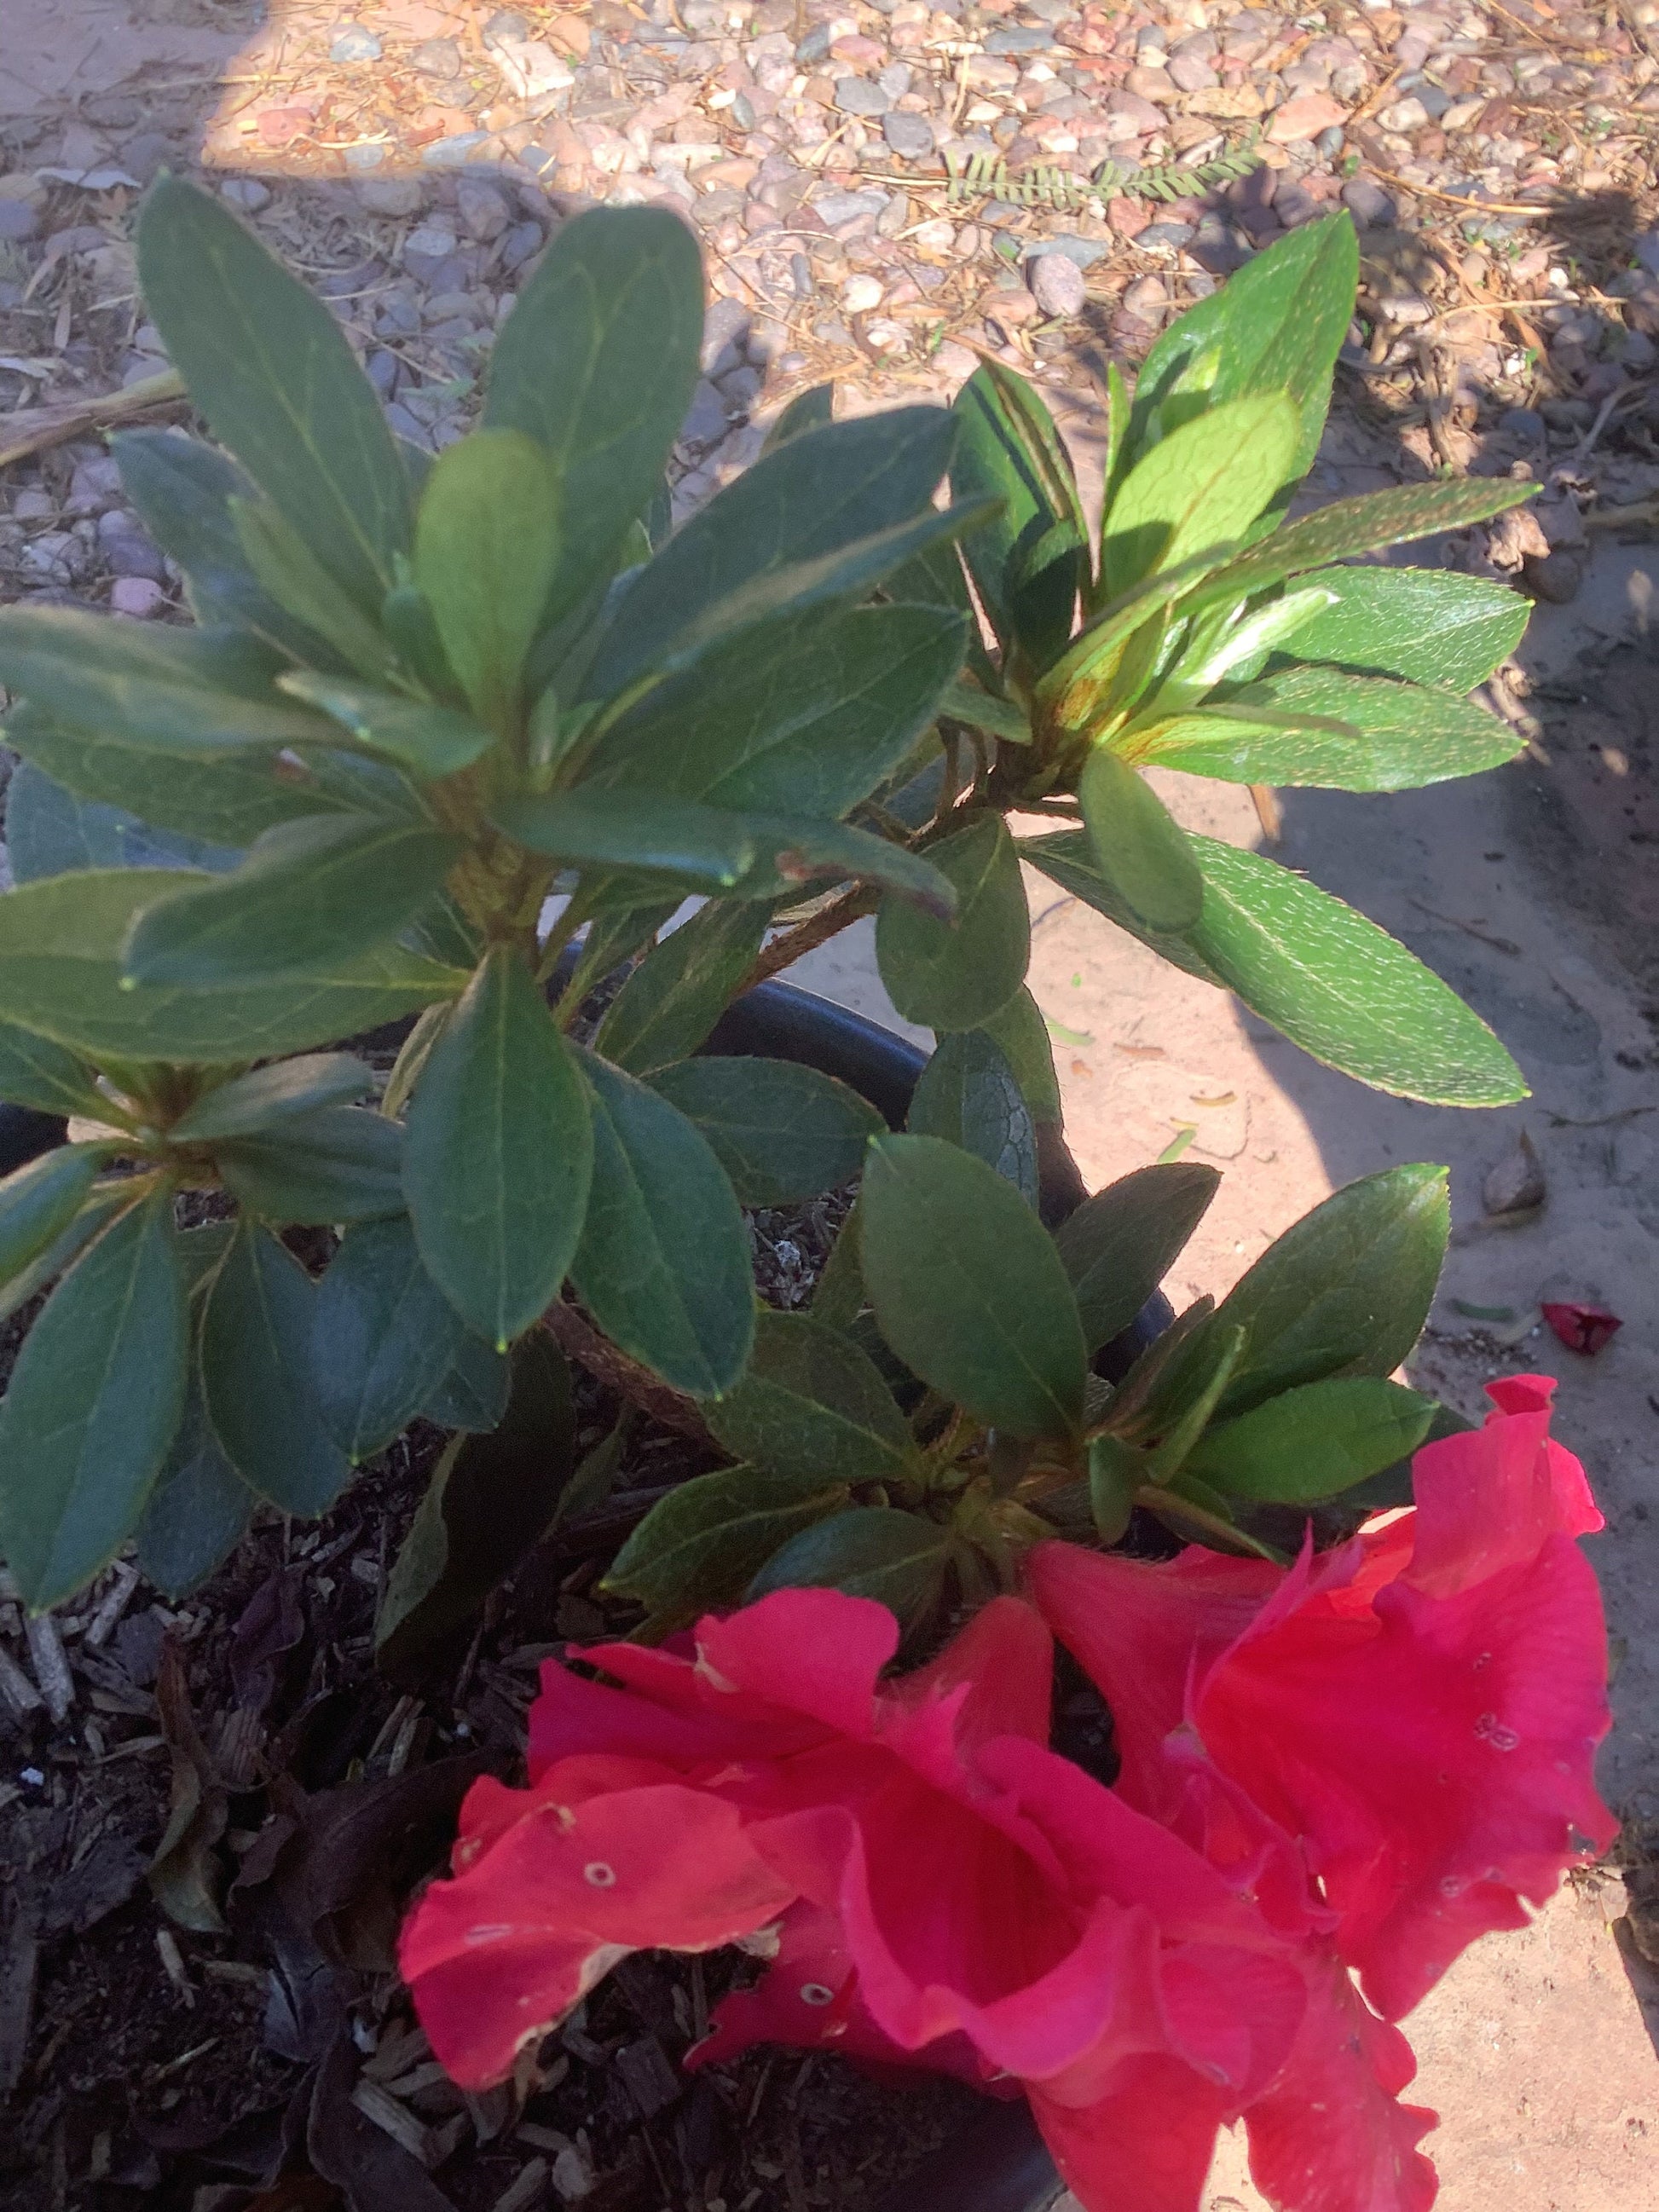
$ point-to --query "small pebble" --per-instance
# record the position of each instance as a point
(351, 43)
(139, 596)
(247, 194)
(1057, 285)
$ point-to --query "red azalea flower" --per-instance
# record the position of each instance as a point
(1421, 1707)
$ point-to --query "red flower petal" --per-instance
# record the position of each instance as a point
(1584, 1328)
(1145, 2147)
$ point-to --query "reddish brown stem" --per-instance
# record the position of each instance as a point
(578, 1338)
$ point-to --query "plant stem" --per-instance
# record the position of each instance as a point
(852, 906)
(578, 1338)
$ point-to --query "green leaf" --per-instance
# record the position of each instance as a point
(1425, 625)
(92, 1405)
(1345, 1291)
(699, 1546)
(1119, 1245)
(706, 846)
(198, 1511)
(267, 1096)
(226, 802)
(337, 1164)
(663, 1265)
(869, 1551)
(429, 741)
(182, 489)
(499, 1154)
(177, 692)
(1116, 1471)
(38, 1201)
(681, 989)
(956, 976)
(782, 1133)
(490, 1501)
(487, 549)
(1077, 692)
(967, 1095)
(1008, 449)
(103, 1203)
(1202, 485)
(49, 830)
(309, 895)
(382, 1330)
(968, 1287)
(812, 1407)
(256, 1377)
(1139, 846)
(598, 363)
(824, 492)
(292, 574)
(1399, 735)
(982, 710)
(473, 1393)
(795, 851)
(1275, 325)
(808, 411)
(1022, 1034)
(272, 372)
(1306, 1444)
(804, 715)
(1067, 857)
(34, 1072)
(838, 1294)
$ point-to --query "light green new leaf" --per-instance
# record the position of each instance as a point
(1119, 1245)
(198, 1512)
(663, 1265)
(598, 363)
(957, 976)
(1425, 625)
(38, 1201)
(429, 741)
(60, 973)
(699, 1546)
(256, 1375)
(267, 1096)
(1306, 1444)
(93, 1403)
(487, 548)
(337, 1164)
(382, 1331)
(1008, 449)
(681, 989)
(1205, 482)
(1139, 848)
(272, 372)
(812, 1407)
(781, 1131)
(708, 846)
(309, 895)
(969, 1095)
(870, 1551)
(499, 1154)
(968, 1287)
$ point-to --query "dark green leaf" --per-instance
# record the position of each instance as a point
(1425, 625)
(1119, 1244)
(34, 1072)
(1398, 736)
(38, 1201)
(706, 846)
(969, 1095)
(177, 692)
(968, 1287)
(270, 370)
(1008, 450)
(256, 1377)
(838, 1294)
(500, 1152)
(870, 1551)
(1022, 1034)
(104, 1203)
(50, 830)
(781, 1131)
(487, 549)
(699, 1547)
(1345, 1291)
(292, 574)
(429, 741)
(795, 851)
(267, 1096)
(1067, 857)
(1116, 1471)
(806, 714)
(599, 362)
(681, 989)
(663, 1265)
(823, 493)
(812, 1406)
(983, 710)
(197, 1514)
(337, 1164)
(1305, 1444)
(93, 1404)
(473, 1394)
(1201, 486)
(382, 1330)
(490, 1501)
(808, 411)
(309, 895)
(1139, 846)
(956, 977)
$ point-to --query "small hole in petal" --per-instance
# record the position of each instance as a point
(814, 1993)
(601, 1875)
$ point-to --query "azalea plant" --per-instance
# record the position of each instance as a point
(450, 745)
